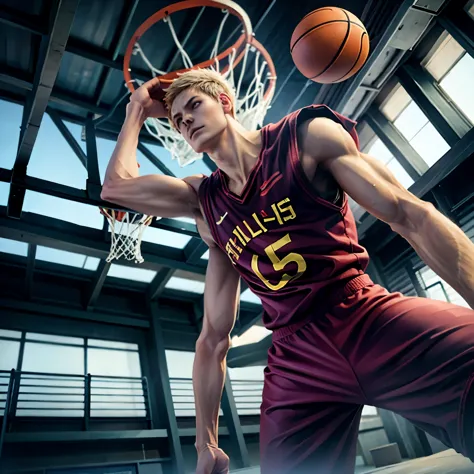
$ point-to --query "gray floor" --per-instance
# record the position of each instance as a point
(446, 462)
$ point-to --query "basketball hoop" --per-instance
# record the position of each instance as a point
(246, 57)
(126, 231)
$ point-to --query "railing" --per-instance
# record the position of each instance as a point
(247, 395)
(30, 394)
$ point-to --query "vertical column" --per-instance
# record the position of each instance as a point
(160, 389)
(232, 420)
(94, 186)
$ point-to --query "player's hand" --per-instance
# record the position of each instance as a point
(150, 96)
(212, 461)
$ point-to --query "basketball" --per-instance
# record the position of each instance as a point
(329, 45)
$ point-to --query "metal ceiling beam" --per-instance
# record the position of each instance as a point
(194, 250)
(42, 230)
(460, 152)
(40, 308)
(100, 56)
(30, 268)
(397, 144)
(68, 136)
(249, 354)
(94, 185)
(19, 80)
(247, 321)
(23, 20)
(51, 50)
(96, 285)
(122, 29)
(459, 25)
(79, 195)
(442, 113)
(390, 30)
(158, 284)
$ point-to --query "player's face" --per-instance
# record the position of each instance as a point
(199, 118)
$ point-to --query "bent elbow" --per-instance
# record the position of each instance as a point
(109, 192)
(412, 216)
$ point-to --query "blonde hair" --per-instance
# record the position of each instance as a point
(206, 81)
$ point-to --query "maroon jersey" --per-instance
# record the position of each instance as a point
(292, 248)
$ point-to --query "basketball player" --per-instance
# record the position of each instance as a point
(276, 214)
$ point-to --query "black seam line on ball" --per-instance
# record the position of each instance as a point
(357, 60)
(340, 48)
(318, 26)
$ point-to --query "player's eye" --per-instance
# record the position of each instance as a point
(178, 122)
(196, 104)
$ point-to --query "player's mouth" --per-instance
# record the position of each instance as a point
(195, 130)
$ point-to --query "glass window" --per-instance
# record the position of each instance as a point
(10, 122)
(456, 85)
(10, 351)
(120, 397)
(165, 237)
(69, 211)
(395, 103)
(254, 334)
(113, 363)
(185, 284)
(67, 258)
(48, 358)
(131, 273)
(446, 55)
(422, 136)
(77, 341)
(112, 344)
(53, 159)
(14, 247)
(438, 289)
(206, 255)
(369, 411)
(10, 334)
(4, 191)
(379, 151)
(250, 297)
(180, 371)
(247, 385)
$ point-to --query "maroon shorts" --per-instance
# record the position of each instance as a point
(413, 356)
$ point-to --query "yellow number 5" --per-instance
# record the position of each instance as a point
(279, 265)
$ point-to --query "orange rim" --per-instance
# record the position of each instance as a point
(168, 78)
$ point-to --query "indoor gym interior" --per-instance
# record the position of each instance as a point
(96, 357)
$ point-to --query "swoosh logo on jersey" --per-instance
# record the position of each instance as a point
(221, 220)
(269, 183)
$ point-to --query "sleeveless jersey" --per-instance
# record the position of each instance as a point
(291, 247)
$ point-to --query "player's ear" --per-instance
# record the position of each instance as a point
(226, 103)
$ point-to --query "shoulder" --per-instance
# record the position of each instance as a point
(195, 181)
(323, 138)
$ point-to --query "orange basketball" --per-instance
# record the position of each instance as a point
(329, 45)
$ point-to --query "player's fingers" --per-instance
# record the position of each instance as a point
(153, 84)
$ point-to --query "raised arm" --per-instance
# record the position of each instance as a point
(157, 195)
(439, 242)
(221, 297)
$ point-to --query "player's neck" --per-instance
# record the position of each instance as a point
(236, 153)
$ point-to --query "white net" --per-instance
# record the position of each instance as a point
(126, 231)
(252, 99)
